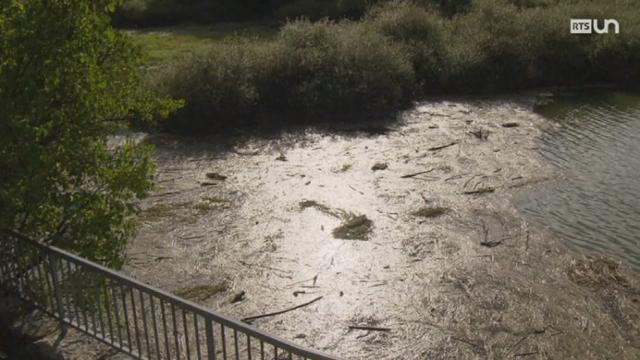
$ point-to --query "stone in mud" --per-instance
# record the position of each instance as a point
(510, 125)
(431, 212)
(238, 297)
(281, 158)
(354, 228)
(379, 166)
(480, 134)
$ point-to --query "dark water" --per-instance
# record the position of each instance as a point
(595, 205)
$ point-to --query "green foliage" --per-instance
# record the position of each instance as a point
(401, 49)
(337, 66)
(420, 33)
(68, 82)
(311, 70)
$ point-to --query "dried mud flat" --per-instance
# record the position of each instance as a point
(406, 226)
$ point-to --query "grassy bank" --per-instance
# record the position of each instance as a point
(395, 53)
(167, 44)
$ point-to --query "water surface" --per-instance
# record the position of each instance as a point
(595, 145)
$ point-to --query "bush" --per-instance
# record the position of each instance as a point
(420, 33)
(219, 86)
(312, 70)
(401, 49)
(343, 67)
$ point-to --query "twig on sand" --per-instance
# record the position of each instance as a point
(442, 146)
(416, 174)
(515, 346)
(480, 191)
(281, 311)
(525, 354)
(370, 328)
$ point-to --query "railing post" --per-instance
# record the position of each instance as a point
(211, 347)
(53, 268)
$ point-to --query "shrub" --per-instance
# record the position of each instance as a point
(399, 49)
(218, 85)
(324, 65)
(312, 70)
(420, 33)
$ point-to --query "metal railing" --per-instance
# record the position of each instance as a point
(137, 319)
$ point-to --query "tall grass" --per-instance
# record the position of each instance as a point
(400, 50)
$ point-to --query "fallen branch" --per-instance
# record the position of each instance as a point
(442, 146)
(416, 174)
(480, 191)
(281, 311)
(525, 354)
(371, 328)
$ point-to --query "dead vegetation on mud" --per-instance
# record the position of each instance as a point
(449, 269)
(201, 293)
(352, 227)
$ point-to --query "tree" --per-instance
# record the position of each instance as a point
(69, 84)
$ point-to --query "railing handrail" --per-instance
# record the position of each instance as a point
(177, 301)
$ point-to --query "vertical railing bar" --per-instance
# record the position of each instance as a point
(107, 307)
(211, 344)
(74, 305)
(116, 312)
(24, 277)
(175, 330)
(41, 279)
(93, 321)
(144, 323)
(135, 320)
(197, 335)
(235, 343)
(290, 355)
(123, 296)
(186, 334)
(47, 271)
(57, 293)
(100, 314)
(248, 346)
(224, 342)
(261, 349)
(31, 279)
(164, 326)
(66, 300)
(155, 327)
(83, 308)
(44, 278)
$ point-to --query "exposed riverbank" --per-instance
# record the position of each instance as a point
(472, 279)
(446, 269)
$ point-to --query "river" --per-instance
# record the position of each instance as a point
(594, 205)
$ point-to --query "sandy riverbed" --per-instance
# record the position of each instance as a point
(447, 264)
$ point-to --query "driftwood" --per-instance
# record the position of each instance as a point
(442, 146)
(281, 311)
(416, 174)
(370, 328)
(480, 191)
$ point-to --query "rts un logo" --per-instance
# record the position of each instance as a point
(589, 26)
